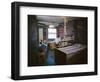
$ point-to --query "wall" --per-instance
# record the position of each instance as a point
(32, 40)
(5, 40)
(81, 30)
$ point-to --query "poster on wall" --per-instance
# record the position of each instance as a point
(53, 40)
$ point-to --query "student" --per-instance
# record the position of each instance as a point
(40, 43)
(42, 52)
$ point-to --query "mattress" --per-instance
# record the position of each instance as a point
(72, 49)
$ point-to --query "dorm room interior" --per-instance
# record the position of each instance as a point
(57, 40)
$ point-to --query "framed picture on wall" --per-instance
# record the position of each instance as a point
(53, 40)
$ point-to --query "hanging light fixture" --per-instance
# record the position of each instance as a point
(51, 26)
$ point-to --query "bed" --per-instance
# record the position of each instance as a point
(74, 54)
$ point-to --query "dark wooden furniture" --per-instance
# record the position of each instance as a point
(66, 57)
(60, 57)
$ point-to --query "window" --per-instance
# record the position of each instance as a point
(52, 33)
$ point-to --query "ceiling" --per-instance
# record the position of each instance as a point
(52, 20)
